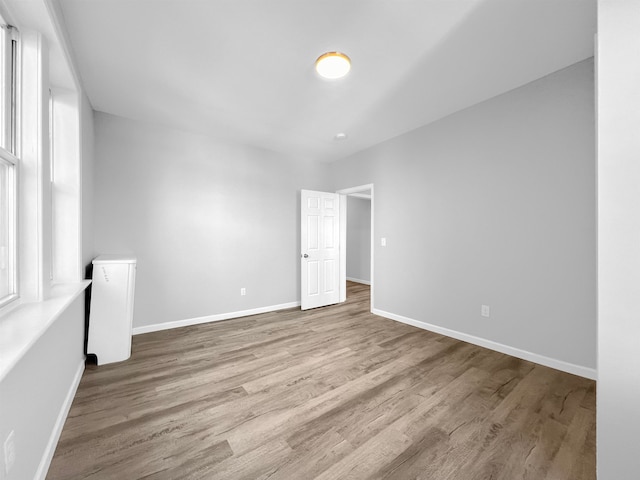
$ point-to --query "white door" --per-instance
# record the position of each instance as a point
(320, 242)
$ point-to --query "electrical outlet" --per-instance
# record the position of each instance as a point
(243, 291)
(485, 311)
(9, 452)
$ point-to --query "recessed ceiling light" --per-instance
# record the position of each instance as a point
(340, 136)
(333, 65)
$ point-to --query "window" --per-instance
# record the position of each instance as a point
(8, 162)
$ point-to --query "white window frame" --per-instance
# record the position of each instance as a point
(9, 160)
(9, 86)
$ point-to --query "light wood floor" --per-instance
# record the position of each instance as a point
(332, 393)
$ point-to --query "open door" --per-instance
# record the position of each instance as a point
(320, 242)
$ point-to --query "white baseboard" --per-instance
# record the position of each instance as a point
(45, 462)
(574, 369)
(211, 318)
(357, 280)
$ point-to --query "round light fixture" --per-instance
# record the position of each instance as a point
(340, 136)
(333, 65)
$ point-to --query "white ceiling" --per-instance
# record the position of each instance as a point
(243, 70)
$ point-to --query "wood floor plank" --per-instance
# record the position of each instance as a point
(580, 436)
(330, 393)
(310, 459)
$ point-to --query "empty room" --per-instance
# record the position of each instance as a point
(319, 239)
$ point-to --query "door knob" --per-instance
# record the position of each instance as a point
(305, 255)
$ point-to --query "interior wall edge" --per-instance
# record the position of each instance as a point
(156, 327)
(580, 370)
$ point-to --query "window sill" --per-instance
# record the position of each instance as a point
(24, 324)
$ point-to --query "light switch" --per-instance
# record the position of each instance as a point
(383, 242)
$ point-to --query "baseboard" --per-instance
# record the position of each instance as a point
(45, 462)
(211, 318)
(357, 280)
(579, 370)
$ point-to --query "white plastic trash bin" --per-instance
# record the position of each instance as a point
(111, 310)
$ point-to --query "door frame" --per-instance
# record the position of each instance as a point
(343, 239)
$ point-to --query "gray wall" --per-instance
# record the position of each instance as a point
(618, 240)
(204, 219)
(359, 239)
(493, 205)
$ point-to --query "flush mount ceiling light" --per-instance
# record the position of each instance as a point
(333, 65)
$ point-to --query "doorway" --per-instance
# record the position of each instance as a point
(356, 238)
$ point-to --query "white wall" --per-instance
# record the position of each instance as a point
(37, 391)
(66, 200)
(38, 388)
(203, 218)
(618, 239)
(34, 393)
(359, 239)
(87, 147)
(493, 205)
